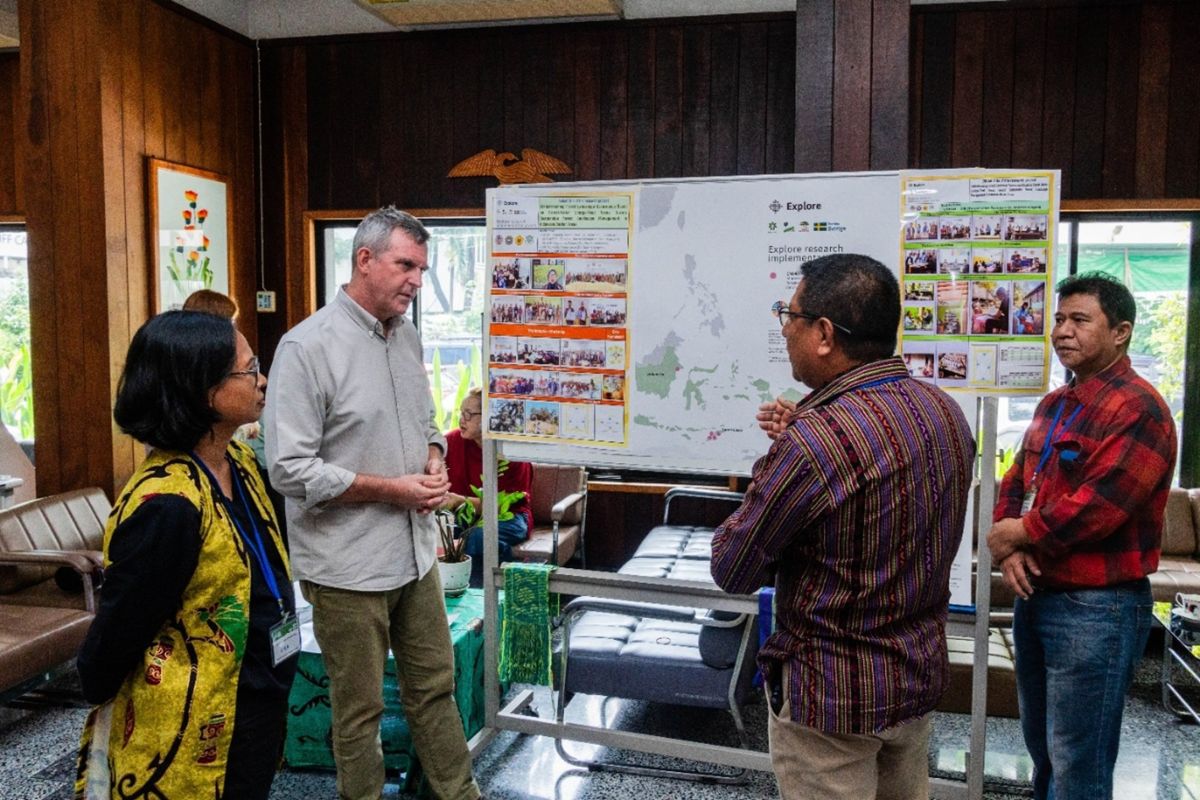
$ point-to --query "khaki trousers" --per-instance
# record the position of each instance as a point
(354, 630)
(812, 765)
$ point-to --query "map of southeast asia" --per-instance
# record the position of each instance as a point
(707, 260)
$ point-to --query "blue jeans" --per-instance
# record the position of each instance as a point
(1076, 652)
(510, 531)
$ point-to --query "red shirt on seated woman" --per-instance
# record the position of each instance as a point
(464, 463)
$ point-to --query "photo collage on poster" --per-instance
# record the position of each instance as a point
(557, 360)
(975, 295)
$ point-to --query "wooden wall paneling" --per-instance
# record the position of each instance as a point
(587, 109)
(285, 190)
(11, 199)
(123, 139)
(998, 96)
(396, 132)
(889, 84)
(212, 91)
(464, 138)
(1120, 102)
(1089, 91)
(752, 98)
(696, 100)
(971, 48)
(1058, 110)
(442, 120)
(852, 85)
(134, 293)
(668, 102)
(1028, 88)
(814, 86)
(357, 130)
(1183, 96)
(937, 94)
(614, 106)
(177, 84)
(36, 150)
(1153, 80)
(153, 121)
(508, 74)
(723, 114)
(534, 78)
(241, 150)
(560, 111)
(74, 178)
(300, 282)
(322, 107)
(92, 27)
(780, 145)
(106, 84)
(639, 161)
(916, 86)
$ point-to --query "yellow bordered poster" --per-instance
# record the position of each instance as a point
(976, 261)
(558, 301)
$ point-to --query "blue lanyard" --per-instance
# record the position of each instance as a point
(255, 545)
(880, 382)
(1047, 445)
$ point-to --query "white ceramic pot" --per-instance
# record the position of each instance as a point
(456, 576)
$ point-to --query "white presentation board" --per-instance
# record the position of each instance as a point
(678, 347)
(706, 259)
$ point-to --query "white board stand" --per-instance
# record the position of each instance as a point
(700, 595)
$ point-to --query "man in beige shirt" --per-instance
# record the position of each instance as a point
(352, 445)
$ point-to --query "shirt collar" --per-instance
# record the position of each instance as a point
(871, 372)
(1088, 390)
(363, 318)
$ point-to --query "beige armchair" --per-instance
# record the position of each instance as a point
(559, 510)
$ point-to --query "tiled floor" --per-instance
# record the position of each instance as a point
(1159, 760)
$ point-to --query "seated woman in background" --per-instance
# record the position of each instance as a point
(464, 462)
(192, 652)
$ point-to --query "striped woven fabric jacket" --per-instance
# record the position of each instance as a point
(855, 514)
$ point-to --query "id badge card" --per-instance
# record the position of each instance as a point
(1030, 496)
(285, 639)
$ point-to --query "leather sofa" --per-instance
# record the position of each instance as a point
(1179, 567)
(50, 568)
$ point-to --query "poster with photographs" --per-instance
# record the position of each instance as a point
(557, 319)
(987, 238)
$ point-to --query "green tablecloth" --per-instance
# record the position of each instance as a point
(309, 738)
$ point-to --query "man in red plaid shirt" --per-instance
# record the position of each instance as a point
(1078, 527)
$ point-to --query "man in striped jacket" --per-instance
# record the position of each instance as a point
(855, 514)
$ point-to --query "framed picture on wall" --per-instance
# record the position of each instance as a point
(189, 229)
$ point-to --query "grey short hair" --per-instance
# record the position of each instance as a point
(375, 231)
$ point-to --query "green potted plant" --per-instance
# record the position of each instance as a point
(454, 565)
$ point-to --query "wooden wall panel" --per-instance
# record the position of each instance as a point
(382, 119)
(1089, 89)
(1183, 104)
(814, 85)
(970, 51)
(107, 87)
(612, 100)
(1058, 107)
(12, 201)
(1106, 91)
(996, 146)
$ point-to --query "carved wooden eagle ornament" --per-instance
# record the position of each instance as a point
(532, 167)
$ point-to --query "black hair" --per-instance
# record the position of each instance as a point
(1116, 301)
(173, 361)
(859, 293)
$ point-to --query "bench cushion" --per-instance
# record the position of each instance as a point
(34, 640)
